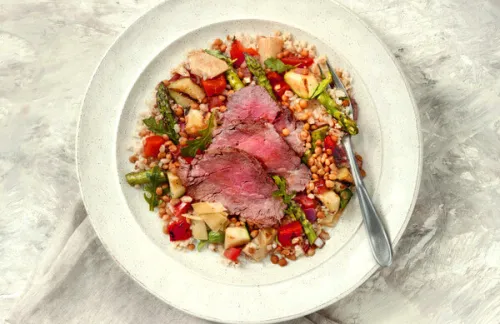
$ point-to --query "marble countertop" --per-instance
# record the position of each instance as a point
(447, 265)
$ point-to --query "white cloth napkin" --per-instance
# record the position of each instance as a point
(78, 282)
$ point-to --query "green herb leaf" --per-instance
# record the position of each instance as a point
(167, 124)
(322, 85)
(201, 245)
(150, 189)
(156, 127)
(202, 142)
(277, 65)
(219, 55)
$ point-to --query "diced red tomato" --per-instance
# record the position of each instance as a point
(329, 143)
(152, 145)
(238, 51)
(300, 62)
(232, 253)
(286, 233)
(181, 208)
(179, 230)
(320, 186)
(215, 101)
(252, 51)
(278, 83)
(305, 202)
(214, 86)
(274, 77)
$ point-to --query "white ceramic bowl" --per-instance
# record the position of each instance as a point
(200, 283)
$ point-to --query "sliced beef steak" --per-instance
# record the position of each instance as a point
(285, 120)
(250, 104)
(238, 181)
(261, 140)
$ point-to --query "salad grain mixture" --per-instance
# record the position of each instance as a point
(241, 151)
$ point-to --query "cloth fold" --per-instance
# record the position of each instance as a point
(78, 282)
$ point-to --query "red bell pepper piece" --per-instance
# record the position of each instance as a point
(152, 145)
(215, 86)
(297, 61)
(329, 143)
(305, 202)
(179, 230)
(181, 208)
(320, 186)
(278, 83)
(286, 233)
(238, 51)
(232, 253)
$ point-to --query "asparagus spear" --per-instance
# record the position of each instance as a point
(257, 70)
(293, 209)
(143, 177)
(296, 213)
(345, 196)
(333, 109)
(231, 74)
(162, 100)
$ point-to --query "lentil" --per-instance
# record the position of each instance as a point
(282, 262)
(285, 132)
(274, 259)
(159, 191)
(191, 246)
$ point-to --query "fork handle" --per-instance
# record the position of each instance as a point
(379, 240)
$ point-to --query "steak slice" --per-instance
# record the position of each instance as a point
(238, 181)
(261, 140)
(250, 104)
(285, 120)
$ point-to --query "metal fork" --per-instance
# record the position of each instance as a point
(379, 240)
